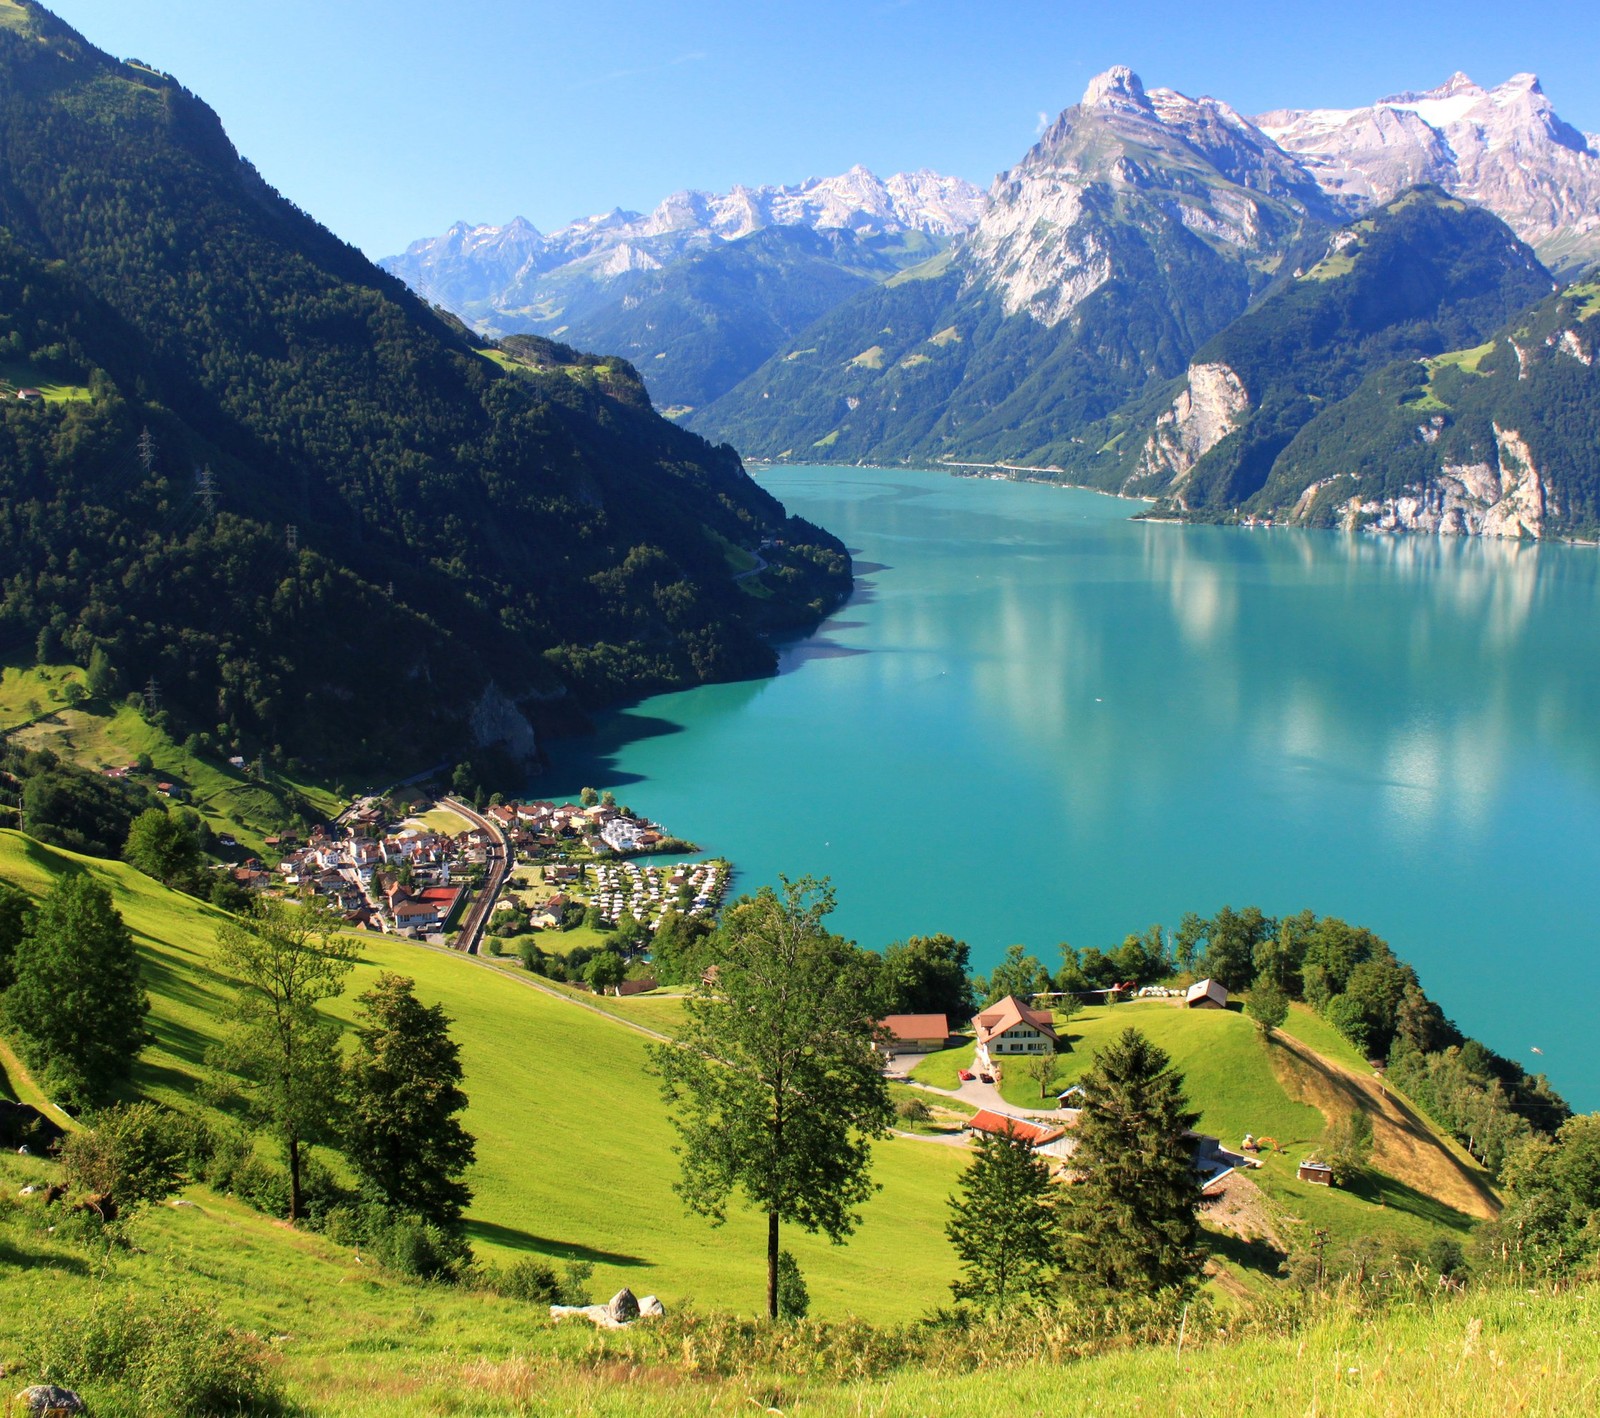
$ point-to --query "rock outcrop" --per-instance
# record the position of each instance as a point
(1508, 499)
(1208, 408)
(620, 1311)
(497, 722)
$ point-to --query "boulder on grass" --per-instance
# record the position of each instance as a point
(623, 1307)
(651, 1308)
(49, 1401)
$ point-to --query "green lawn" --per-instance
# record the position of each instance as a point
(938, 1069)
(574, 1147)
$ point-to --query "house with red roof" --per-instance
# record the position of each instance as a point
(1042, 1138)
(916, 1033)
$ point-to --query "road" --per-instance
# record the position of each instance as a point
(497, 871)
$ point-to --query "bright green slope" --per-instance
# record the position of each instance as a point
(574, 1149)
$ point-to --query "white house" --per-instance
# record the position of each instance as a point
(1011, 1027)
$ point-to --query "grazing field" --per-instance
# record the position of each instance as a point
(574, 1148)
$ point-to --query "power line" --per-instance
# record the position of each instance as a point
(292, 536)
(152, 697)
(206, 487)
(147, 451)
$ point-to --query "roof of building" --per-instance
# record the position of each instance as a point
(1001, 1125)
(1009, 1013)
(917, 1026)
(1202, 989)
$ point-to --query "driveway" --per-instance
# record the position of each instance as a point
(975, 1092)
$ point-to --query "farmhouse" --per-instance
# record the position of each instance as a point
(1040, 1137)
(916, 1033)
(1206, 994)
(1011, 1027)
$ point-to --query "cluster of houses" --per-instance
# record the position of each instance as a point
(542, 829)
(397, 881)
(645, 893)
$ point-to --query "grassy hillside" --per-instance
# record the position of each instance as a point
(344, 1339)
(574, 1150)
(94, 735)
(1422, 1185)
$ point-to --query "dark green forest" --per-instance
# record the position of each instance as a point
(349, 517)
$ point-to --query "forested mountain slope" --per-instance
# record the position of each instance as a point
(1421, 275)
(393, 516)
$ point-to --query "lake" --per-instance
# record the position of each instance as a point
(1039, 721)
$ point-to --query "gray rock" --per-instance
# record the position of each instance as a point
(49, 1401)
(623, 1307)
(651, 1308)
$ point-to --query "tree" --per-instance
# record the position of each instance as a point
(16, 914)
(1065, 1008)
(605, 972)
(1268, 1006)
(129, 1157)
(161, 846)
(405, 1139)
(282, 1051)
(1347, 1146)
(588, 797)
(1018, 974)
(1190, 939)
(76, 1003)
(776, 1087)
(794, 1300)
(1003, 1226)
(1042, 1070)
(608, 799)
(929, 975)
(1131, 1222)
(1231, 939)
(100, 679)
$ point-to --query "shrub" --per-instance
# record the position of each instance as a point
(794, 1300)
(134, 1155)
(413, 1248)
(163, 1354)
(913, 1110)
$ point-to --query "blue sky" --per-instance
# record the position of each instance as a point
(389, 121)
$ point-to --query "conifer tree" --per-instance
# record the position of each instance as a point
(1003, 1226)
(76, 1003)
(405, 1138)
(1131, 1222)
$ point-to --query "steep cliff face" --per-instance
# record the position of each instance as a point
(1210, 406)
(1043, 246)
(1508, 498)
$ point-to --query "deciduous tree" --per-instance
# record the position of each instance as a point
(776, 1088)
(76, 1004)
(162, 847)
(281, 1053)
(1268, 1006)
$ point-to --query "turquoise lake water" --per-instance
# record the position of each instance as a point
(1039, 721)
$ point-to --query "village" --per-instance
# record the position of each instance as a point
(441, 871)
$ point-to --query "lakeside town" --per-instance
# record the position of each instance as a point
(444, 873)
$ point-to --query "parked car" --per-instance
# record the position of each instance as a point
(964, 1074)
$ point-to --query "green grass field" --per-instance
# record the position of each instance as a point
(574, 1147)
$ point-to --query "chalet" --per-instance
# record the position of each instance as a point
(1205, 994)
(417, 915)
(916, 1033)
(1011, 1027)
(31, 396)
(1318, 1172)
(1040, 1137)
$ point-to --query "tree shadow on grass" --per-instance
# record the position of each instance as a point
(513, 1239)
(1258, 1255)
(1380, 1189)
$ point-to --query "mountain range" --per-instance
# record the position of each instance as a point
(355, 533)
(1064, 334)
(701, 290)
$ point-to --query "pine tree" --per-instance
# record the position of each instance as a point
(1003, 1226)
(76, 1003)
(1131, 1222)
(405, 1139)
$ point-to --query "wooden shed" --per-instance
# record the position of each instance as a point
(1319, 1172)
(1206, 994)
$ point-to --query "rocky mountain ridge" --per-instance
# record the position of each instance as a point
(499, 268)
(1504, 148)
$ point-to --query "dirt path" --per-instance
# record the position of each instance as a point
(1402, 1143)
